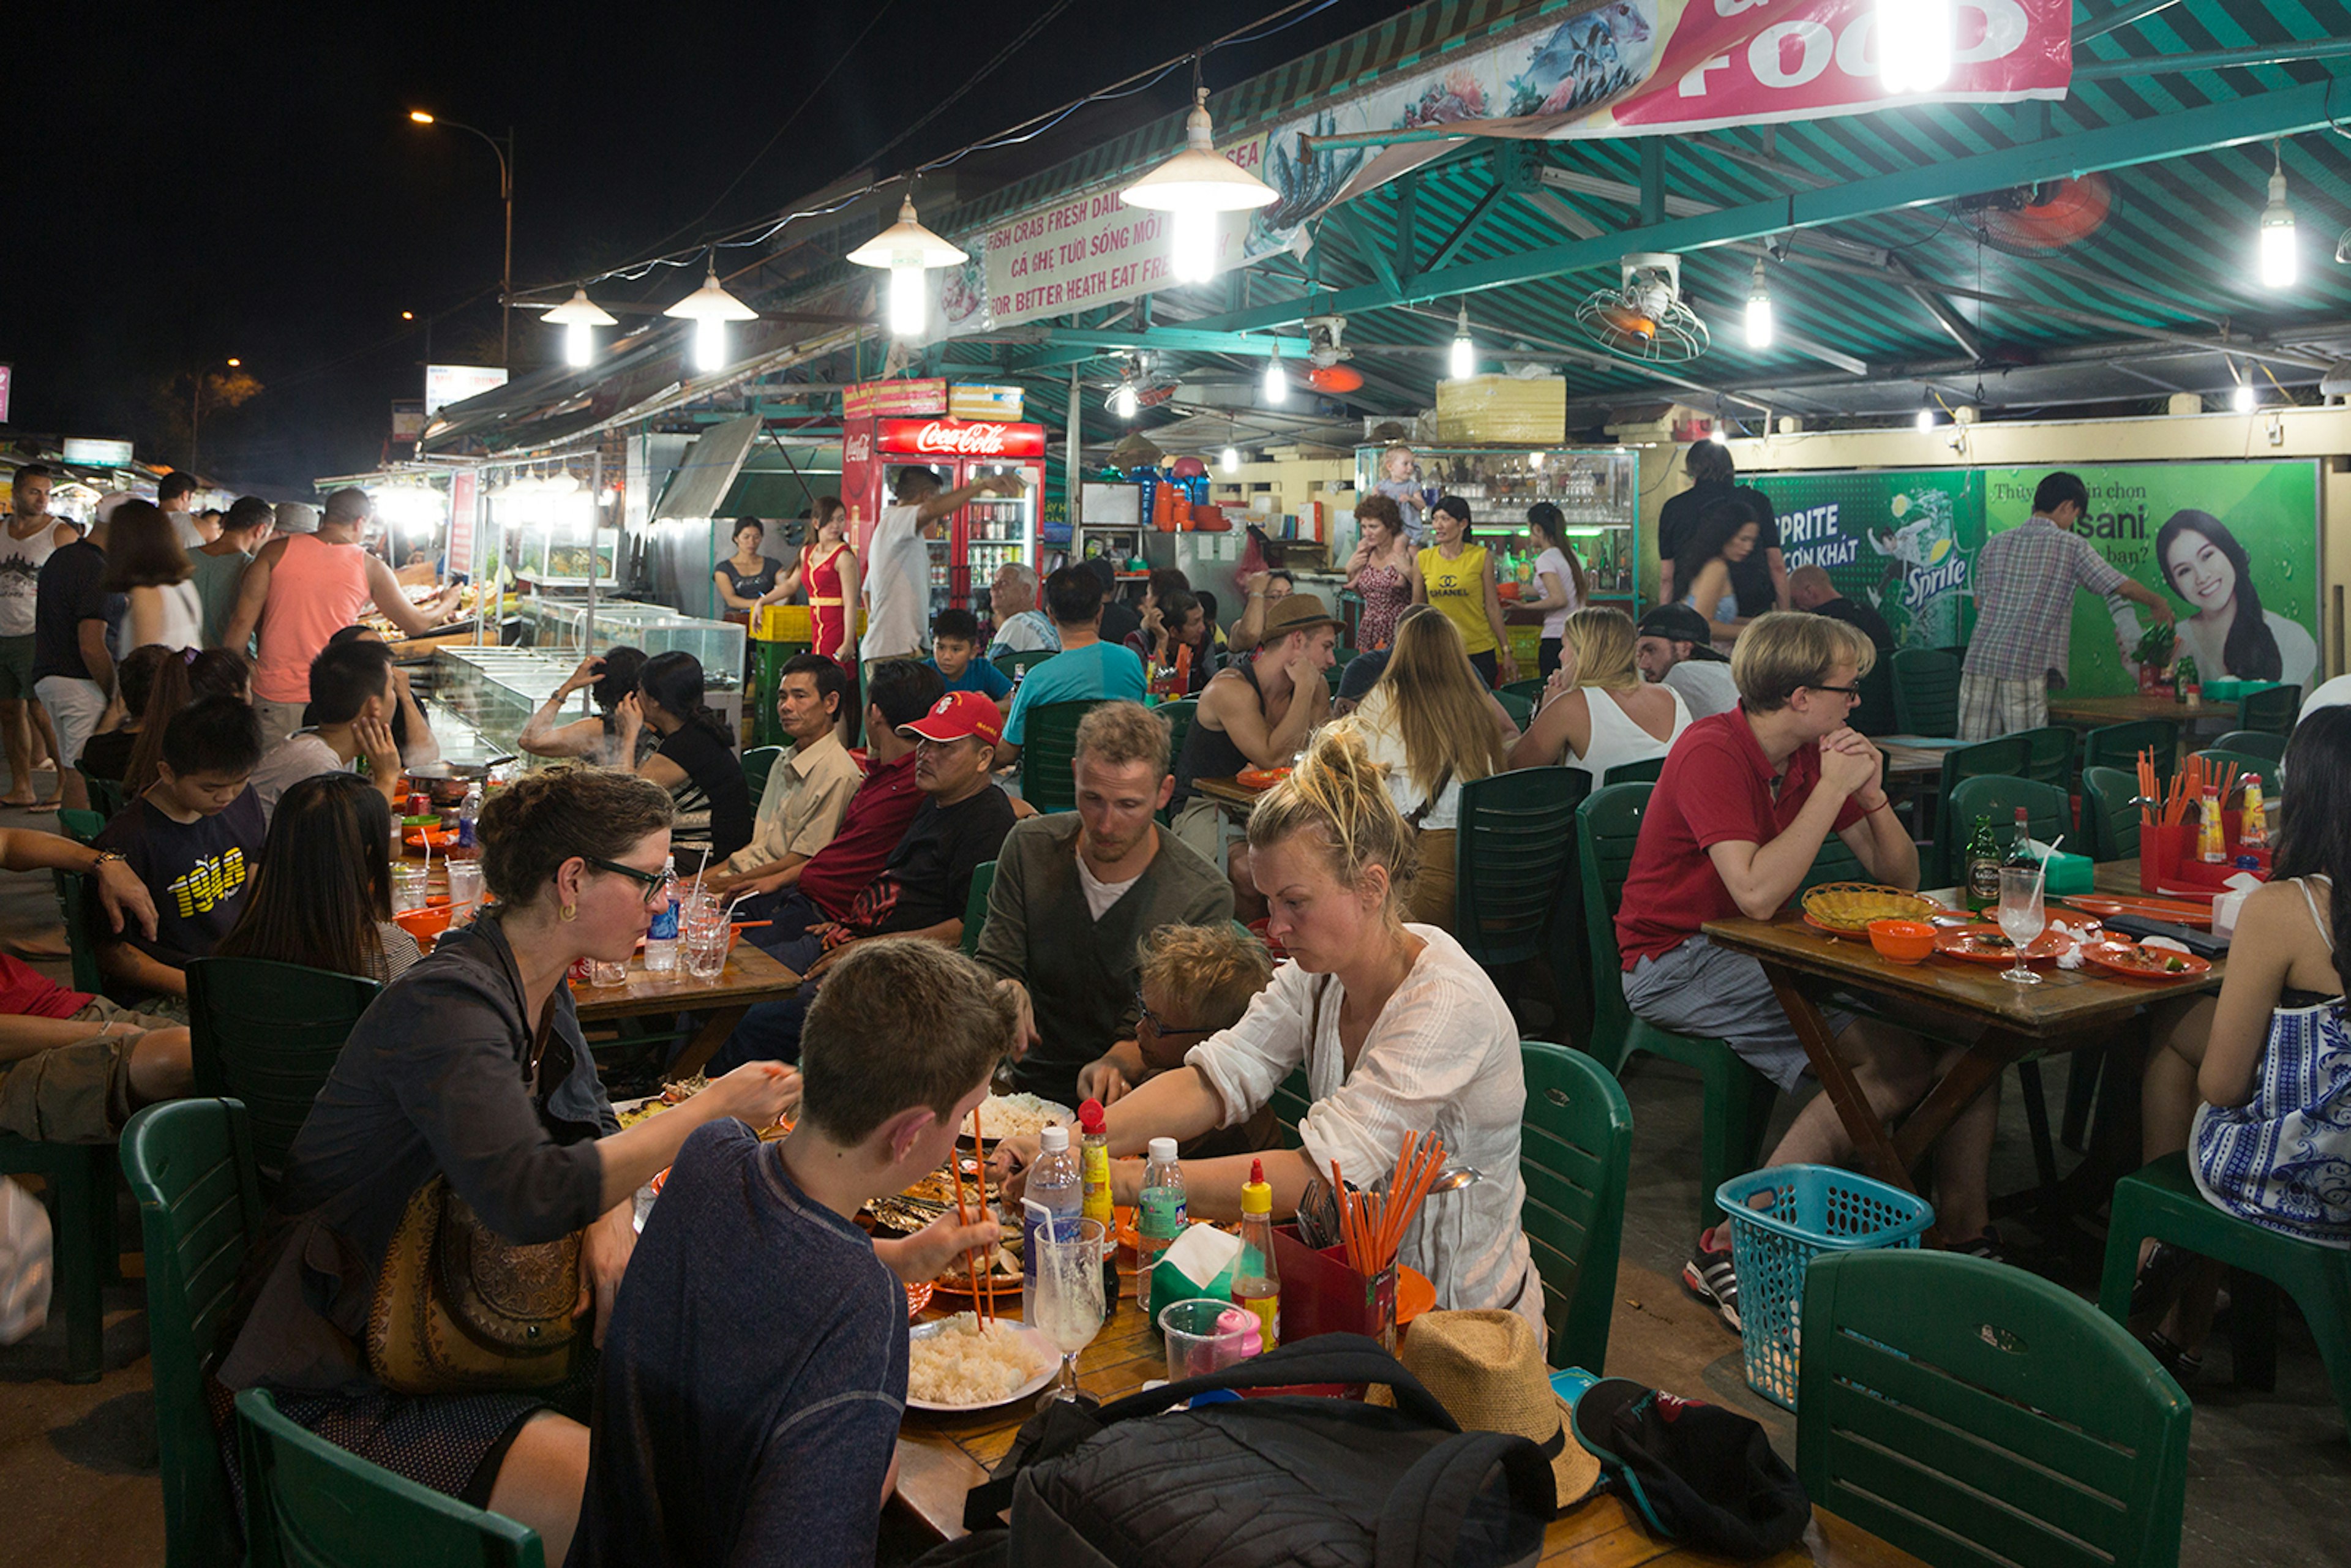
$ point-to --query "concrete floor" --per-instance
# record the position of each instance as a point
(2268, 1472)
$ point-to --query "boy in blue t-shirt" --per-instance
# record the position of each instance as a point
(954, 650)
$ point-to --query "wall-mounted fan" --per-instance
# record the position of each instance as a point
(1644, 317)
(2033, 220)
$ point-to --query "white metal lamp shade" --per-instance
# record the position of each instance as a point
(907, 249)
(579, 317)
(710, 308)
(1199, 179)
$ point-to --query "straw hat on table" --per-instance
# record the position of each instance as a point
(1488, 1372)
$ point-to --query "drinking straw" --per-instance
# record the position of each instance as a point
(2042, 875)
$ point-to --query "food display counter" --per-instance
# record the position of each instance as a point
(1597, 491)
(495, 690)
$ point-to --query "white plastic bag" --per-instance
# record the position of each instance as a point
(25, 1273)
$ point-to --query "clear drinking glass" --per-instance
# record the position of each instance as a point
(408, 887)
(2021, 916)
(609, 974)
(703, 941)
(1069, 1306)
(465, 884)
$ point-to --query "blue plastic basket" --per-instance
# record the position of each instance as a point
(1815, 1210)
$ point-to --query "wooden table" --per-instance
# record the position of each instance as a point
(2068, 1010)
(2093, 711)
(940, 1457)
(1234, 798)
(750, 978)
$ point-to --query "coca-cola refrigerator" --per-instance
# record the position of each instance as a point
(981, 535)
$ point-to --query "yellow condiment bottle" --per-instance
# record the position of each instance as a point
(1257, 1280)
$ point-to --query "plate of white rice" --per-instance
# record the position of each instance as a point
(954, 1364)
(1017, 1116)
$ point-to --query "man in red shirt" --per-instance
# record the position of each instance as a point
(1738, 814)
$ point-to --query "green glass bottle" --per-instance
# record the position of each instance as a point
(1982, 886)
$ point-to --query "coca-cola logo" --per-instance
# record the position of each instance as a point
(963, 438)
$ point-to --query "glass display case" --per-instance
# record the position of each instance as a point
(1596, 489)
(559, 628)
(494, 691)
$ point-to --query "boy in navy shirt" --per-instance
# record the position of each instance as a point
(754, 1374)
(954, 650)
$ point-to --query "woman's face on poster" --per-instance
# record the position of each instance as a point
(2201, 571)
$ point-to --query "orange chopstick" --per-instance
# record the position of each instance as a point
(979, 1155)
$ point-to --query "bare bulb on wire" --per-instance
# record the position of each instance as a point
(709, 345)
(579, 344)
(1195, 249)
(907, 304)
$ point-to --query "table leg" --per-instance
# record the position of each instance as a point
(716, 1025)
(1978, 1070)
(1878, 1156)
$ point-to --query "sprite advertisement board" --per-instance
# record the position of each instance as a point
(1902, 542)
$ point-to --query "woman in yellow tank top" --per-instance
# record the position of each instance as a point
(1458, 578)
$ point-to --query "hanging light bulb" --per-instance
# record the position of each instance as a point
(1195, 185)
(1925, 419)
(1122, 401)
(1464, 352)
(1719, 435)
(1231, 460)
(2281, 259)
(710, 308)
(908, 251)
(2244, 397)
(1277, 379)
(1535, 460)
(1759, 309)
(1914, 43)
(579, 317)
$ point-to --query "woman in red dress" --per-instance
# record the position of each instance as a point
(828, 569)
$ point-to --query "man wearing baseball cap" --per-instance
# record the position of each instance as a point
(923, 885)
(1673, 647)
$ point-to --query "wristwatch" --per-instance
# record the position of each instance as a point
(103, 856)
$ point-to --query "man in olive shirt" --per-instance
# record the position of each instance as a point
(1075, 893)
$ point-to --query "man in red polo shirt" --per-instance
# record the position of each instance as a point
(1738, 814)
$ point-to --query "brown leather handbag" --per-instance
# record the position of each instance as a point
(458, 1308)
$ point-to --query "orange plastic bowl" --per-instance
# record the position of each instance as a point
(1902, 941)
(425, 925)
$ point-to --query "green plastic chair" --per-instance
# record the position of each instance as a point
(975, 905)
(81, 827)
(2162, 1200)
(2118, 746)
(1836, 863)
(2272, 710)
(1875, 713)
(758, 763)
(1967, 1412)
(105, 794)
(1014, 665)
(1531, 690)
(1513, 867)
(1049, 745)
(2047, 809)
(1177, 717)
(309, 1504)
(1290, 1099)
(1927, 691)
(73, 903)
(1738, 1098)
(1521, 709)
(77, 1187)
(268, 1034)
(1576, 1155)
(1646, 772)
(2049, 754)
(2005, 756)
(189, 1165)
(2110, 811)
(2248, 762)
(2253, 742)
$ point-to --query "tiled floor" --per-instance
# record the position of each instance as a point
(2268, 1472)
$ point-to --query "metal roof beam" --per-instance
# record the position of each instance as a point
(2119, 17)
(2287, 112)
(2214, 59)
(1963, 333)
(1373, 257)
(1463, 230)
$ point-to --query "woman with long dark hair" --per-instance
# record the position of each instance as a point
(322, 897)
(695, 761)
(2230, 635)
(1457, 575)
(1559, 574)
(1725, 535)
(828, 569)
(106, 754)
(2256, 1084)
(608, 678)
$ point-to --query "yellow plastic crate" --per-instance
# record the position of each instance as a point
(1503, 408)
(784, 623)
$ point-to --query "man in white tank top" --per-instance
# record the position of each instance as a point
(26, 542)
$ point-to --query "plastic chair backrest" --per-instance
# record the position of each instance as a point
(309, 1504)
(2253, 742)
(105, 794)
(1875, 713)
(1836, 863)
(1531, 690)
(2272, 710)
(1576, 1155)
(269, 1034)
(1515, 843)
(2247, 762)
(2110, 811)
(2118, 746)
(2049, 754)
(1608, 826)
(1177, 717)
(1643, 772)
(1049, 744)
(1965, 1411)
(975, 905)
(2047, 807)
(190, 1166)
(81, 827)
(73, 899)
(1290, 1099)
(1521, 709)
(1014, 664)
(1927, 691)
(2003, 756)
(758, 763)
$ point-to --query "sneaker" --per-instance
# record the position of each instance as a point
(1986, 1246)
(1710, 1277)
(2183, 1365)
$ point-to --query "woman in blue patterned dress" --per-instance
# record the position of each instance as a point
(2256, 1084)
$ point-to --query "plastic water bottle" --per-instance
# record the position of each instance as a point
(1163, 1217)
(469, 812)
(661, 937)
(1055, 1192)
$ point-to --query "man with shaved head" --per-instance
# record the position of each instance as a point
(1809, 588)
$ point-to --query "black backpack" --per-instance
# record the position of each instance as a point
(1287, 1478)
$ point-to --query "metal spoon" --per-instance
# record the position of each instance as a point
(1453, 1178)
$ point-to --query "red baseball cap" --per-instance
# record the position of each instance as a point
(958, 715)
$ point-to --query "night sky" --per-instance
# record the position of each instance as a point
(187, 182)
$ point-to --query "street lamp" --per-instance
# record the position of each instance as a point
(197, 412)
(504, 148)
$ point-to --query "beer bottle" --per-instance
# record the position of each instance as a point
(1982, 885)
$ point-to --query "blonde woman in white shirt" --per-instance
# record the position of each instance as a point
(1397, 1029)
(1597, 712)
(1433, 725)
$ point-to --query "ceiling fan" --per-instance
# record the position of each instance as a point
(1644, 317)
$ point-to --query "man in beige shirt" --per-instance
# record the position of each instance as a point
(807, 789)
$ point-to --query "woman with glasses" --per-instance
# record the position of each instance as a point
(471, 1068)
